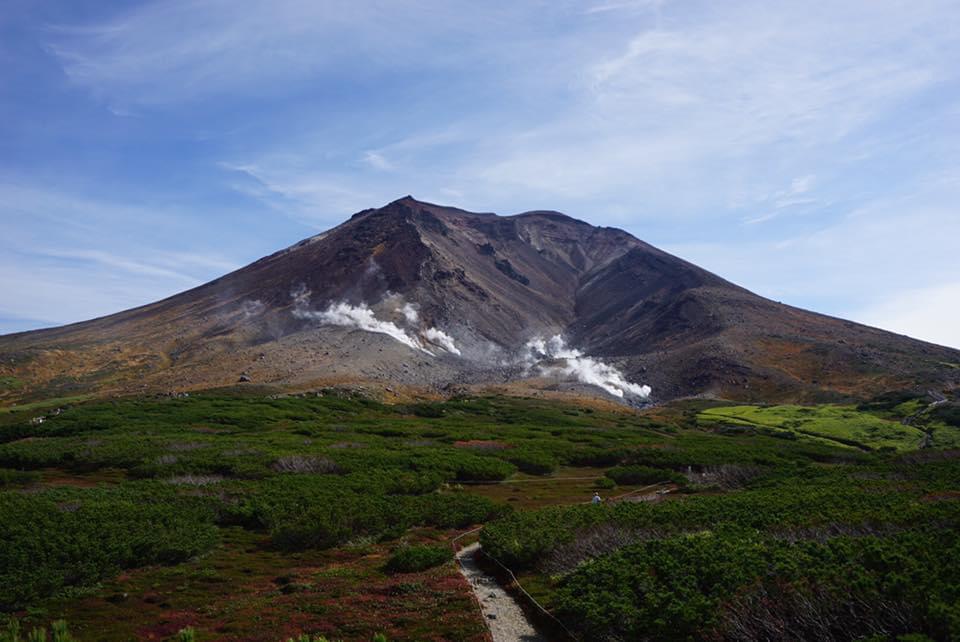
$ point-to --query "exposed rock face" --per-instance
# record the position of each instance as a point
(483, 286)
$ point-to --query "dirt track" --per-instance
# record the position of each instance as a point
(504, 617)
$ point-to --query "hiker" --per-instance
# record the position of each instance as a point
(596, 499)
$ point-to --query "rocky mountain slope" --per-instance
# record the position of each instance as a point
(431, 297)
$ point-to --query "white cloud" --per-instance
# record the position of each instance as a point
(802, 184)
(65, 257)
(633, 5)
(790, 198)
(767, 216)
(683, 115)
(377, 160)
(58, 294)
(121, 263)
(317, 198)
(183, 50)
(63, 286)
(639, 119)
(865, 264)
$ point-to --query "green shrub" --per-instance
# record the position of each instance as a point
(889, 400)
(12, 633)
(598, 456)
(413, 559)
(427, 410)
(56, 539)
(948, 414)
(336, 519)
(680, 588)
(484, 469)
(637, 475)
(534, 463)
(605, 483)
(60, 631)
(457, 511)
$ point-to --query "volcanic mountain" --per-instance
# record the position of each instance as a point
(427, 297)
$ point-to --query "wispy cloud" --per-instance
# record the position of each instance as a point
(623, 5)
(119, 263)
(67, 257)
(317, 198)
(679, 113)
(702, 108)
(377, 160)
(883, 263)
(790, 198)
(176, 50)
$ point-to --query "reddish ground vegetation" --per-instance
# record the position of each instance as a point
(246, 591)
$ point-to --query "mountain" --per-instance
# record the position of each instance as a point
(435, 298)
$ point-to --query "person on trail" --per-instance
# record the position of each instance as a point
(596, 499)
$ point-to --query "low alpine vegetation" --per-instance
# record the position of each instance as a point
(820, 522)
(413, 559)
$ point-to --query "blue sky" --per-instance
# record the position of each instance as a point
(807, 150)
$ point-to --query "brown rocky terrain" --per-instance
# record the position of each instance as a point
(461, 296)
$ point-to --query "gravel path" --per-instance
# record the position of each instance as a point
(504, 617)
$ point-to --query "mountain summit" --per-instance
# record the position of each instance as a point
(430, 296)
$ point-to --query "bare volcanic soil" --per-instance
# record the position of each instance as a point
(415, 297)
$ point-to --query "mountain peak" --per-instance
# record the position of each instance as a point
(427, 295)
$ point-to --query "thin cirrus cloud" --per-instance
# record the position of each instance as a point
(654, 121)
(751, 137)
(794, 196)
(185, 50)
(68, 257)
(913, 274)
(55, 286)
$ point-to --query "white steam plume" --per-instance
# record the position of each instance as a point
(442, 339)
(578, 366)
(410, 313)
(300, 296)
(252, 308)
(363, 317)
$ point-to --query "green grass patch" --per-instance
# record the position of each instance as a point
(9, 382)
(45, 404)
(843, 424)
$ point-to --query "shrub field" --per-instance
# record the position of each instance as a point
(271, 517)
